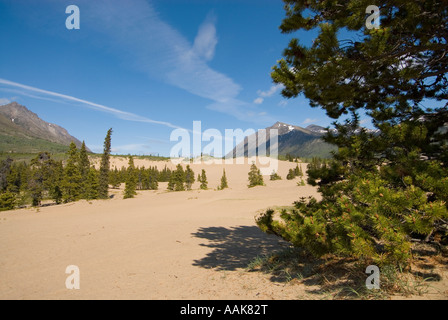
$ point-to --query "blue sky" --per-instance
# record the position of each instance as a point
(146, 67)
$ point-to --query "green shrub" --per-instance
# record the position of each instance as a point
(7, 201)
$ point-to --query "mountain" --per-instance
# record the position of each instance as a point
(293, 140)
(22, 131)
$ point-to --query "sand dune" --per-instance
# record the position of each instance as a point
(159, 245)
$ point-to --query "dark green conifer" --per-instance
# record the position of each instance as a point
(91, 187)
(255, 177)
(103, 187)
(84, 162)
(223, 184)
(72, 180)
(383, 188)
(7, 200)
(291, 174)
(274, 176)
(203, 180)
(131, 180)
(179, 178)
(189, 177)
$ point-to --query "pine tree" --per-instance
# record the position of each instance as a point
(153, 173)
(291, 174)
(203, 180)
(224, 184)
(131, 180)
(54, 180)
(72, 179)
(5, 170)
(13, 178)
(84, 162)
(381, 189)
(7, 200)
(91, 187)
(164, 175)
(103, 187)
(189, 177)
(255, 177)
(38, 176)
(171, 182)
(298, 171)
(35, 185)
(141, 178)
(115, 178)
(274, 176)
(179, 178)
(84, 168)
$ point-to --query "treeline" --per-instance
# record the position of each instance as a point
(178, 179)
(75, 178)
(146, 178)
(45, 178)
(294, 158)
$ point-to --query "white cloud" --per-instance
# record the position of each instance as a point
(365, 121)
(116, 112)
(206, 40)
(310, 121)
(167, 55)
(258, 100)
(242, 111)
(4, 101)
(271, 91)
(266, 94)
(283, 103)
(154, 47)
(135, 31)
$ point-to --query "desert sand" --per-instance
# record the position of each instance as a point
(159, 245)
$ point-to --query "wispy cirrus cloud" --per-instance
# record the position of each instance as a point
(206, 39)
(242, 111)
(4, 101)
(154, 47)
(259, 100)
(310, 121)
(44, 94)
(159, 50)
(272, 90)
(266, 94)
(283, 103)
(135, 31)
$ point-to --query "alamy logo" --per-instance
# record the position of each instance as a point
(72, 281)
(249, 144)
(373, 21)
(373, 281)
(73, 20)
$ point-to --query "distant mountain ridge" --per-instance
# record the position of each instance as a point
(293, 140)
(21, 130)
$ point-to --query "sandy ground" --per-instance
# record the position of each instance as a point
(160, 245)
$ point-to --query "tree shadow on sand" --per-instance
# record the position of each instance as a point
(247, 247)
(235, 247)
